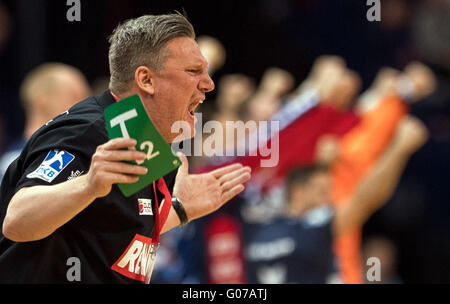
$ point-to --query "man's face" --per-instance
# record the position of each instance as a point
(180, 86)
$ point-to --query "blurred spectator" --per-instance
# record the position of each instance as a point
(275, 84)
(47, 91)
(336, 88)
(232, 91)
(347, 88)
(381, 109)
(297, 247)
(327, 78)
(214, 52)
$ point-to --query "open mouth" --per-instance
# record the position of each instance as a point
(192, 111)
(193, 107)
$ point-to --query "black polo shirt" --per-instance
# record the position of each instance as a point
(109, 240)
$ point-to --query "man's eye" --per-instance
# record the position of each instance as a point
(194, 71)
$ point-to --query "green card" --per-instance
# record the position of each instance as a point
(128, 119)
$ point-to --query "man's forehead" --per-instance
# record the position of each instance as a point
(185, 50)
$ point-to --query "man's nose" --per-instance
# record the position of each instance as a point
(206, 84)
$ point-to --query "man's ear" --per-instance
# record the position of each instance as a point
(144, 78)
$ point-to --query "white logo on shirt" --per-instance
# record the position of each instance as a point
(53, 164)
(145, 206)
(75, 174)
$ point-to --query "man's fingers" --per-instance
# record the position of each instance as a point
(123, 168)
(122, 155)
(224, 170)
(227, 195)
(233, 174)
(119, 143)
(118, 178)
(240, 179)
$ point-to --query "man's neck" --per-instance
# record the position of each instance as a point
(120, 96)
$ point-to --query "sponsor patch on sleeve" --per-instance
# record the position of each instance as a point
(54, 163)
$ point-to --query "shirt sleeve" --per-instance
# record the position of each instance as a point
(60, 153)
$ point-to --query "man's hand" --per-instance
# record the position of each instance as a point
(202, 194)
(107, 166)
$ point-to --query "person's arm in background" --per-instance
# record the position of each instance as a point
(380, 183)
(381, 108)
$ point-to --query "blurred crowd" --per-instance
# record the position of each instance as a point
(363, 165)
(333, 144)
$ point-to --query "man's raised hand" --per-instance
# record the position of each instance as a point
(204, 193)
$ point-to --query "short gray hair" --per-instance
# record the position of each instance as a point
(141, 42)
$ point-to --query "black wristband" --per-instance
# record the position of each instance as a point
(179, 209)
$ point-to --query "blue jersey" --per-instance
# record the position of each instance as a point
(291, 250)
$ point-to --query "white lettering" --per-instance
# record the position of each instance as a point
(120, 120)
(213, 144)
(374, 272)
(74, 272)
(74, 13)
(131, 256)
(374, 13)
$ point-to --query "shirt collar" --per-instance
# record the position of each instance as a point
(106, 99)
